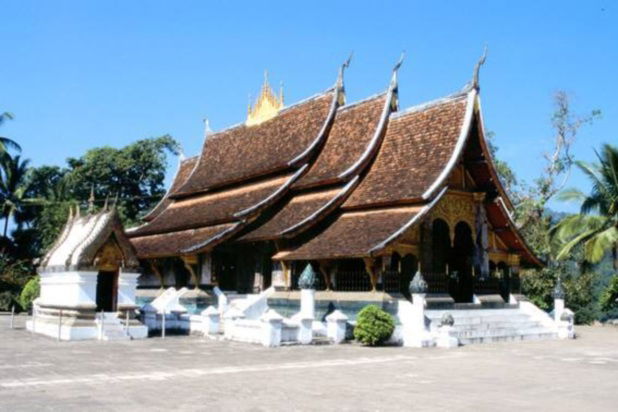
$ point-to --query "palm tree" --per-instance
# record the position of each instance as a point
(596, 226)
(13, 187)
(5, 142)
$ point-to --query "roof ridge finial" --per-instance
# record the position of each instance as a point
(70, 214)
(77, 211)
(91, 200)
(105, 204)
(474, 84)
(394, 86)
(207, 131)
(339, 85)
(396, 69)
(281, 92)
(266, 84)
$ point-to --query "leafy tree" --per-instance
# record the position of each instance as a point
(134, 174)
(596, 226)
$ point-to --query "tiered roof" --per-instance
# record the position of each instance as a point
(366, 171)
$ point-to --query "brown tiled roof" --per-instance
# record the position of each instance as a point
(174, 243)
(184, 170)
(353, 234)
(301, 207)
(351, 133)
(212, 208)
(416, 149)
(243, 152)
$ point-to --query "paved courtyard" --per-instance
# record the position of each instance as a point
(191, 373)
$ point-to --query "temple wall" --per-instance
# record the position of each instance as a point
(70, 289)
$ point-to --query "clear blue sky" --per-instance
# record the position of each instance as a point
(81, 74)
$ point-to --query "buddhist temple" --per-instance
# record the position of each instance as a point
(366, 191)
(312, 211)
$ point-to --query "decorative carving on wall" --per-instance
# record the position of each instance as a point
(109, 257)
(454, 208)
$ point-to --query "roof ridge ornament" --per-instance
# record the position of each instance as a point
(266, 106)
(474, 83)
(394, 85)
(207, 132)
(91, 200)
(340, 85)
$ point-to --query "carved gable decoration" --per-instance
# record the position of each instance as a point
(456, 207)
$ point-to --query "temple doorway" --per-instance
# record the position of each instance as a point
(462, 254)
(107, 291)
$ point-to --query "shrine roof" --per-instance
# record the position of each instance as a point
(353, 131)
(353, 234)
(185, 168)
(217, 207)
(180, 242)
(82, 237)
(420, 148)
(302, 210)
(244, 152)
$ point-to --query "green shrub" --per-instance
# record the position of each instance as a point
(373, 326)
(29, 293)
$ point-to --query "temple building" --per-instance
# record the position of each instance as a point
(367, 191)
(284, 226)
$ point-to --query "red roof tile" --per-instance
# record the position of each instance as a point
(301, 207)
(353, 234)
(349, 137)
(416, 149)
(242, 152)
(174, 243)
(212, 208)
(184, 170)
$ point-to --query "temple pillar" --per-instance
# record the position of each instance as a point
(426, 252)
(157, 272)
(324, 268)
(286, 274)
(372, 272)
(189, 261)
(206, 272)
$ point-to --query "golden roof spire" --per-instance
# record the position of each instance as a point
(266, 106)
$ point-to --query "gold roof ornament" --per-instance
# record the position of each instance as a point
(266, 106)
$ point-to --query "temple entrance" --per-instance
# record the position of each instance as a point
(107, 291)
(462, 254)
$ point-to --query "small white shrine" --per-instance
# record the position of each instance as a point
(88, 282)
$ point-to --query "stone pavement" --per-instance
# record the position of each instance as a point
(191, 373)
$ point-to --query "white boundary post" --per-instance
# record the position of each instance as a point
(12, 316)
(60, 325)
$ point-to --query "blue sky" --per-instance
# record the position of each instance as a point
(81, 74)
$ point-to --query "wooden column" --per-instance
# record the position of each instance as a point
(287, 278)
(189, 261)
(426, 252)
(373, 273)
(324, 267)
(157, 273)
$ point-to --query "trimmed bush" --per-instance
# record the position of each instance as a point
(30, 292)
(373, 326)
